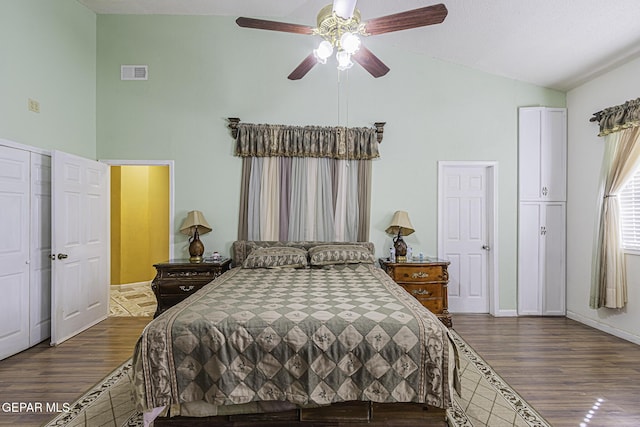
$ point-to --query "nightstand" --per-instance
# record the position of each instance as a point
(177, 279)
(425, 280)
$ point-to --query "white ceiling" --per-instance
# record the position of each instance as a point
(558, 44)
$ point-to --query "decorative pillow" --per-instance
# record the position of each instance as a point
(276, 257)
(340, 254)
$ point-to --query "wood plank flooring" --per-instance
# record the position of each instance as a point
(559, 366)
(62, 374)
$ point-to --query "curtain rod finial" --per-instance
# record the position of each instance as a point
(233, 125)
(379, 130)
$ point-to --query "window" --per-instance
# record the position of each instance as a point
(629, 199)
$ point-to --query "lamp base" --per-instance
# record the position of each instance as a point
(196, 248)
(401, 248)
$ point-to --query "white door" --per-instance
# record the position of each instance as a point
(80, 243)
(14, 250)
(40, 265)
(464, 228)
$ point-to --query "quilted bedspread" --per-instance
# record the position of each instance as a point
(306, 336)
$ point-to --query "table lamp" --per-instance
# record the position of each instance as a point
(401, 226)
(193, 225)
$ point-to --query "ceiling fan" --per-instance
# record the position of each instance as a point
(340, 27)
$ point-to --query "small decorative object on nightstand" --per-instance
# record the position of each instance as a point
(176, 280)
(193, 225)
(425, 280)
(401, 226)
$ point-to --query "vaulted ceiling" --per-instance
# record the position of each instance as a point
(558, 44)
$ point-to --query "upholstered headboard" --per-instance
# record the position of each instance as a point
(241, 248)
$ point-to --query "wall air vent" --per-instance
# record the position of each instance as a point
(134, 72)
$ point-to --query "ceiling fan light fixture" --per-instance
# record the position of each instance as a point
(350, 42)
(344, 8)
(344, 60)
(323, 51)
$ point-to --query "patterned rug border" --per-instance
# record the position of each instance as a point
(103, 386)
(518, 404)
(455, 416)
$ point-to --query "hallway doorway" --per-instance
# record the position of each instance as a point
(141, 234)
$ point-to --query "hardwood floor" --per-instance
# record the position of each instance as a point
(44, 374)
(561, 367)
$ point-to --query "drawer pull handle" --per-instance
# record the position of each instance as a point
(421, 292)
(419, 275)
(186, 288)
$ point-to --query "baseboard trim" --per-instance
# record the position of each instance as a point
(506, 313)
(603, 327)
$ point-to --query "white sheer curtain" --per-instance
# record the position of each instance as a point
(322, 195)
(609, 276)
(305, 183)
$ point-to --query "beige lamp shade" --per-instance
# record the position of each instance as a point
(195, 219)
(400, 223)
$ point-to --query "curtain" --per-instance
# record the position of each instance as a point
(622, 153)
(305, 183)
(614, 119)
(306, 141)
(302, 206)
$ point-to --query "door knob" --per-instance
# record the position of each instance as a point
(486, 247)
(62, 256)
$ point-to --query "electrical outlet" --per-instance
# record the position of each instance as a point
(34, 105)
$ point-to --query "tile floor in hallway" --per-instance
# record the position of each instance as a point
(136, 299)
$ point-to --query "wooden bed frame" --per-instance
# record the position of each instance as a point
(348, 414)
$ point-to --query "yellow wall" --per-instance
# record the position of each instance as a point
(139, 221)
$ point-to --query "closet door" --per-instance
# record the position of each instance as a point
(80, 243)
(14, 251)
(40, 265)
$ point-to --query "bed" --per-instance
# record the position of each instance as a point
(296, 333)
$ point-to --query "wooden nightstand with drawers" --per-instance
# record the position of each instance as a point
(425, 280)
(176, 280)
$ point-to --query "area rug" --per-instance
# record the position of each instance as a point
(486, 401)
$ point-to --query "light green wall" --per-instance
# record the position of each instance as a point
(48, 53)
(205, 69)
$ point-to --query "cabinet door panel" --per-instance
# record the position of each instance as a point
(529, 274)
(553, 150)
(542, 154)
(554, 260)
(529, 134)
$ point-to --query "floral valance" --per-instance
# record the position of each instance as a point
(614, 119)
(263, 140)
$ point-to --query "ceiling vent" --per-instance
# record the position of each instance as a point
(134, 72)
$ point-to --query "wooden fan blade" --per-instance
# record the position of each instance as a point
(262, 24)
(344, 8)
(370, 62)
(301, 70)
(405, 20)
